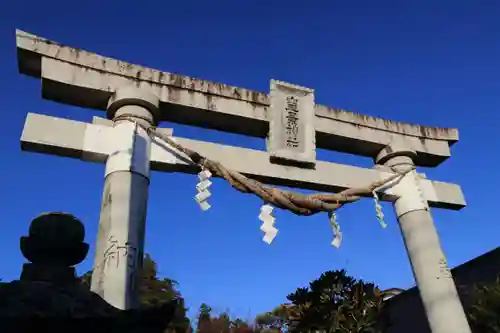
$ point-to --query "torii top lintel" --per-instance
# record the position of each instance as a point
(76, 77)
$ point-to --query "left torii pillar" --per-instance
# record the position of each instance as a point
(120, 239)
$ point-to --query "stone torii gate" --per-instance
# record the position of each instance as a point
(288, 117)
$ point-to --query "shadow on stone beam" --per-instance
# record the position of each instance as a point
(50, 298)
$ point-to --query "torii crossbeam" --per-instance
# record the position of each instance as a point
(288, 117)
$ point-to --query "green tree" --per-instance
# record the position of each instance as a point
(155, 291)
(484, 314)
(334, 303)
(204, 319)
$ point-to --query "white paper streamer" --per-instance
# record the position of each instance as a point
(378, 208)
(202, 188)
(337, 234)
(267, 217)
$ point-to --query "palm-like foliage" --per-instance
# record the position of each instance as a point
(335, 303)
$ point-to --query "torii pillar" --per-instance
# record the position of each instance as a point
(438, 292)
(120, 239)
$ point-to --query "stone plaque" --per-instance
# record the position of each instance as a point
(292, 137)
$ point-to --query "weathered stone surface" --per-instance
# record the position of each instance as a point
(91, 142)
(291, 123)
(85, 79)
(120, 240)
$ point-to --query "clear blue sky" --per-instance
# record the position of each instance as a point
(426, 62)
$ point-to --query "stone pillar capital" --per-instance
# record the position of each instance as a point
(145, 105)
(396, 153)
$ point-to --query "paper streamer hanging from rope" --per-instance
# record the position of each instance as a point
(337, 234)
(297, 203)
(378, 208)
(268, 219)
(202, 188)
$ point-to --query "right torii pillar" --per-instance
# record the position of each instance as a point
(438, 292)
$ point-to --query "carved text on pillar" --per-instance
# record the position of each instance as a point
(444, 270)
(114, 251)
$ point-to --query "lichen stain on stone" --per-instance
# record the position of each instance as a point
(259, 97)
(203, 85)
(236, 93)
(128, 67)
(121, 67)
(423, 142)
(438, 131)
(173, 94)
(266, 110)
(137, 83)
(138, 75)
(58, 50)
(161, 77)
(74, 53)
(399, 127)
(176, 80)
(210, 104)
(217, 89)
(197, 85)
(108, 198)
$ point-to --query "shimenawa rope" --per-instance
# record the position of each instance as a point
(297, 203)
